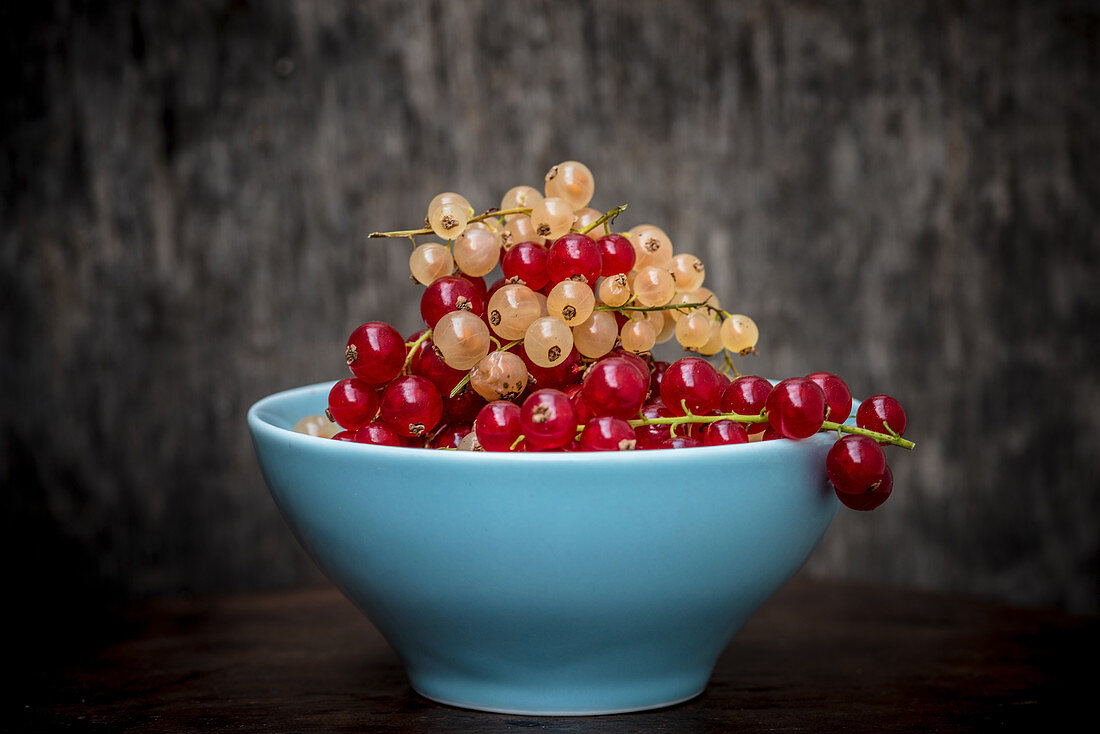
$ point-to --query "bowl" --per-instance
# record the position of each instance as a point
(548, 584)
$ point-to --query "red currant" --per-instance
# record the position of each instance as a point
(344, 436)
(462, 408)
(614, 387)
(548, 419)
(450, 293)
(498, 426)
(564, 373)
(838, 398)
(693, 382)
(617, 255)
(724, 432)
(796, 407)
(352, 403)
(607, 433)
(411, 405)
(378, 434)
(747, 395)
(427, 363)
(375, 352)
(869, 500)
(574, 255)
(651, 435)
(449, 436)
(879, 411)
(527, 262)
(680, 442)
(855, 464)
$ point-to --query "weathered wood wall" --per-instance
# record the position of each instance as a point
(904, 193)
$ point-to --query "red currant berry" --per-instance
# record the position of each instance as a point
(770, 434)
(638, 361)
(447, 294)
(796, 407)
(427, 363)
(375, 352)
(724, 432)
(747, 395)
(449, 436)
(344, 436)
(574, 255)
(869, 500)
(497, 425)
(614, 387)
(879, 411)
(838, 398)
(378, 434)
(411, 405)
(477, 282)
(659, 367)
(527, 262)
(855, 464)
(548, 419)
(352, 403)
(680, 442)
(693, 382)
(564, 373)
(462, 408)
(607, 433)
(650, 436)
(617, 255)
(580, 410)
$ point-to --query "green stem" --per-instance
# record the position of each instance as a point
(413, 348)
(428, 230)
(607, 218)
(466, 379)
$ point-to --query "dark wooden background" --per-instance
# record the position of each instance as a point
(904, 193)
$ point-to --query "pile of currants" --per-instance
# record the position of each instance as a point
(556, 354)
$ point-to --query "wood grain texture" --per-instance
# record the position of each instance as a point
(903, 193)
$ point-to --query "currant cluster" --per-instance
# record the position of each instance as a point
(555, 355)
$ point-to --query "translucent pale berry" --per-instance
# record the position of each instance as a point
(430, 261)
(499, 376)
(469, 442)
(651, 245)
(654, 286)
(477, 251)
(462, 339)
(638, 336)
(739, 334)
(582, 218)
(317, 425)
(377, 434)
(596, 336)
(667, 329)
(869, 500)
(565, 372)
(724, 432)
(547, 341)
(428, 362)
(713, 344)
(519, 197)
(375, 352)
(616, 254)
(681, 300)
(519, 228)
(878, 412)
(571, 301)
(855, 464)
(448, 221)
(411, 405)
(526, 263)
(512, 309)
(574, 256)
(608, 433)
(838, 398)
(449, 197)
(450, 293)
(497, 425)
(548, 419)
(693, 331)
(571, 181)
(552, 217)
(796, 407)
(693, 383)
(616, 387)
(352, 403)
(614, 290)
(688, 271)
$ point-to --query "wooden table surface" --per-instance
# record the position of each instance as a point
(819, 656)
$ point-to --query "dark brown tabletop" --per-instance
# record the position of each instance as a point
(819, 657)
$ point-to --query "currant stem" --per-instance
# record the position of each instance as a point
(428, 230)
(607, 218)
(413, 349)
(465, 380)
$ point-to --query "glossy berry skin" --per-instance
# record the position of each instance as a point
(377, 434)
(548, 419)
(527, 262)
(838, 398)
(638, 361)
(607, 433)
(449, 436)
(427, 363)
(747, 395)
(411, 405)
(498, 426)
(352, 403)
(574, 255)
(721, 433)
(564, 373)
(869, 500)
(693, 382)
(450, 293)
(879, 410)
(462, 408)
(617, 254)
(614, 387)
(680, 442)
(344, 436)
(855, 464)
(796, 407)
(651, 436)
(375, 352)
(770, 434)
(477, 282)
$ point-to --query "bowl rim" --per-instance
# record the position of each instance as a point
(261, 425)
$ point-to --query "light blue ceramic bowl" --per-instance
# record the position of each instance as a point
(582, 583)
